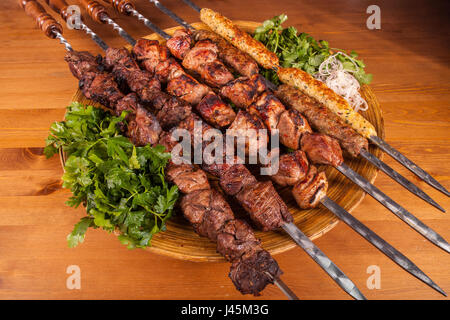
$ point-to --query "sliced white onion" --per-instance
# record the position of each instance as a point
(340, 80)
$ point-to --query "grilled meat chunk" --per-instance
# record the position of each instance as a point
(322, 149)
(143, 129)
(291, 127)
(180, 43)
(322, 119)
(252, 128)
(215, 111)
(202, 59)
(186, 178)
(82, 62)
(311, 190)
(129, 103)
(172, 112)
(292, 168)
(168, 69)
(101, 88)
(149, 53)
(236, 239)
(268, 108)
(264, 205)
(253, 272)
(187, 88)
(244, 91)
(233, 57)
(216, 217)
(236, 178)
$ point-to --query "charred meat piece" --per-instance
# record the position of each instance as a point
(244, 91)
(264, 205)
(173, 112)
(82, 62)
(129, 103)
(253, 272)
(202, 59)
(149, 53)
(292, 168)
(268, 108)
(180, 43)
(101, 88)
(251, 128)
(233, 57)
(187, 88)
(237, 239)
(310, 191)
(236, 179)
(216, 217)
(291, 126)
(186, 178)
(322, 149)
(215, 111)
(168, 69)
(322, 119)
(195, 205)
(144, 128)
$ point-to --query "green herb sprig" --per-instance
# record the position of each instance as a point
(301, 50)
(122, 186)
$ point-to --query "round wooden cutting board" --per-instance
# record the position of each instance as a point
(180, 241)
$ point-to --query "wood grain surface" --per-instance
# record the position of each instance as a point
(409, 58)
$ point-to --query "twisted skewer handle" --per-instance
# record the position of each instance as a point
(122, 6)
(43, 20)
(95, 10)
(61, 7)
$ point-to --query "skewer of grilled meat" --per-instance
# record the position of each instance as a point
(265, 207)
(252, 267)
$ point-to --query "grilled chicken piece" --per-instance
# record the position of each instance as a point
(254, 271)
(244, 91)
(149, 53)
(322, 149)
(101, 88)
(233, 57)
(82, 62)
(292, 168)
(144, 128)
(236, 239)
(202, 59)
(310, 191)
(215, 111)
(322, 119)
(264, 205)
(180, 43)
(252, 128)
(187, 88)
(291, 127)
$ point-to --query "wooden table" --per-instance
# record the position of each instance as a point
(409, 58)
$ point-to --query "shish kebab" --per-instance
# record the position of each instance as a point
(289, 161)
(252, 267)
(269, 215)
(390, 204)
(349, 147)
(310, 86)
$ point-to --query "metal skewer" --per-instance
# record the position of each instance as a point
(99, 14)
(54, 30)
(398, 210)
(383, 145)
(356, 225)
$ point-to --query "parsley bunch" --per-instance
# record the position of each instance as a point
(301, 50)
(122, 186)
